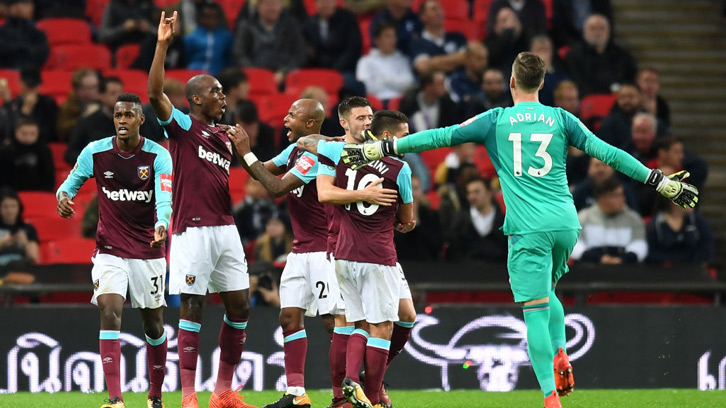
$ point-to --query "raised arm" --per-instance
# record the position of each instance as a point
(159, 101)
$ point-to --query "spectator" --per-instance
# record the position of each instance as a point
(494, 94)
(476, 233)
(264, 285)
(262, 135)
(506, 41)
(426, 241)
(252, 213)
(82, 101)
(18, 240)
(333, 39)
(436, 48)
(27, 163)
(98, 124)
(31, 104)
(598, 173)
(407, 23)
(652, 101)
(460, 157)
(678, 236)
(598, 65)
(362, 8)
(555, 70)
(293, 8)
(21, 43)
(616, 127)
(466, 82)
(275, 243)
(60, 8)
(611, 233)
(127, 21)
(531, 13)
(566, 96)
(385, 71)
(270, 40)
(236, 87)
(429, 105)
(209, 47)
(331, 124)
(151, 129)
(568, 18)
(175, 57)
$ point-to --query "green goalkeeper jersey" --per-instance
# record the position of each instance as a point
(528, 145)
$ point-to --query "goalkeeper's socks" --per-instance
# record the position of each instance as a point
(188, 348)
(355, 353)
(557, 324)
(338, 346)
(376, 357)
(399, 338)
(296, 347)
(232, 338)
(156, 363)
(110, 348)
(539, 346)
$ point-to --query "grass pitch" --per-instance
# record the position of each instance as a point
(664, 398)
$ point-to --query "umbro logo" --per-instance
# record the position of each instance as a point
(205, 134)
(108, 174)
(189, 349)
(107, 360)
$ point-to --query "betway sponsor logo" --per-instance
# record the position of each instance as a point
(215, 158)
(126, 195)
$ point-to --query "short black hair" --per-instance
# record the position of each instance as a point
(129, 97)
(478, 179)
(427, 77)
(30, 75)
(108, 80)
(347, 105)
(231, 77)
(26, 121)
(607, 186)
(666, 143)
(388, 120)
(383, 25)
(246, 112)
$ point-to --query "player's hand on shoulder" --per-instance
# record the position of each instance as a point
(65, 206)
(407, 227)
(166, 27)
(159, 237)
(374, 193)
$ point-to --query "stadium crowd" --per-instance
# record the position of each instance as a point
(439, 62)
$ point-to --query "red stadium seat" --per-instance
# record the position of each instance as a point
(434, 199)
(95, 9)
(328, 79)
(481, 12)
(312, 8)
(273, 108)
(434, 157)
(394, 103)
(237, 179)
(134, 80)
(58, 149)
(593, 108)
(13, 78)
(469, 29)
(183, 75)
(38, 204)
(376, 103)
(483, 163)
(83, 200)
(68, 251)
(89, 187)
(72, 56)
(56, 83)
(364, 25)
(65, 31)
(231, 11)
(262, 82)
(57, 228)
(126, 55)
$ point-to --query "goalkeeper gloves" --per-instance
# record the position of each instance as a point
(673, 188)
(358, 155)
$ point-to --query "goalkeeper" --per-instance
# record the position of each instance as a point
(528, 145)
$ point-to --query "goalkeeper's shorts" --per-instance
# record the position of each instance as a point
(538, 260)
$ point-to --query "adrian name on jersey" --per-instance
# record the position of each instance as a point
(215, 158)
(126, 195)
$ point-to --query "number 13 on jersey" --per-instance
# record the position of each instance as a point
(544, 140)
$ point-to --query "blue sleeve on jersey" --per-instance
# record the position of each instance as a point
(162, 166)
(404, 184)
(83, 168)
(309, 172)
(281, 159)
(329, 156)
(184, 121)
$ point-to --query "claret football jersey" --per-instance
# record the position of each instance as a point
(134, 195)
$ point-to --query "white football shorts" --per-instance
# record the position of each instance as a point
(207, 258)
(405, 291)
(308, 282)
(142, 278)
(371, 291)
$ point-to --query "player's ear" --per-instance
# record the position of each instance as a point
(196, 99)
(143, 119)
(541, 86)
(513, 83)
(343, 123)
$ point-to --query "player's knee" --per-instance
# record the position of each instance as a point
(328, 323)
(154, 328)
(110, 319)
(290, 320)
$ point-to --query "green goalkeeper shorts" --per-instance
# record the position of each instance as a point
(538, 260)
